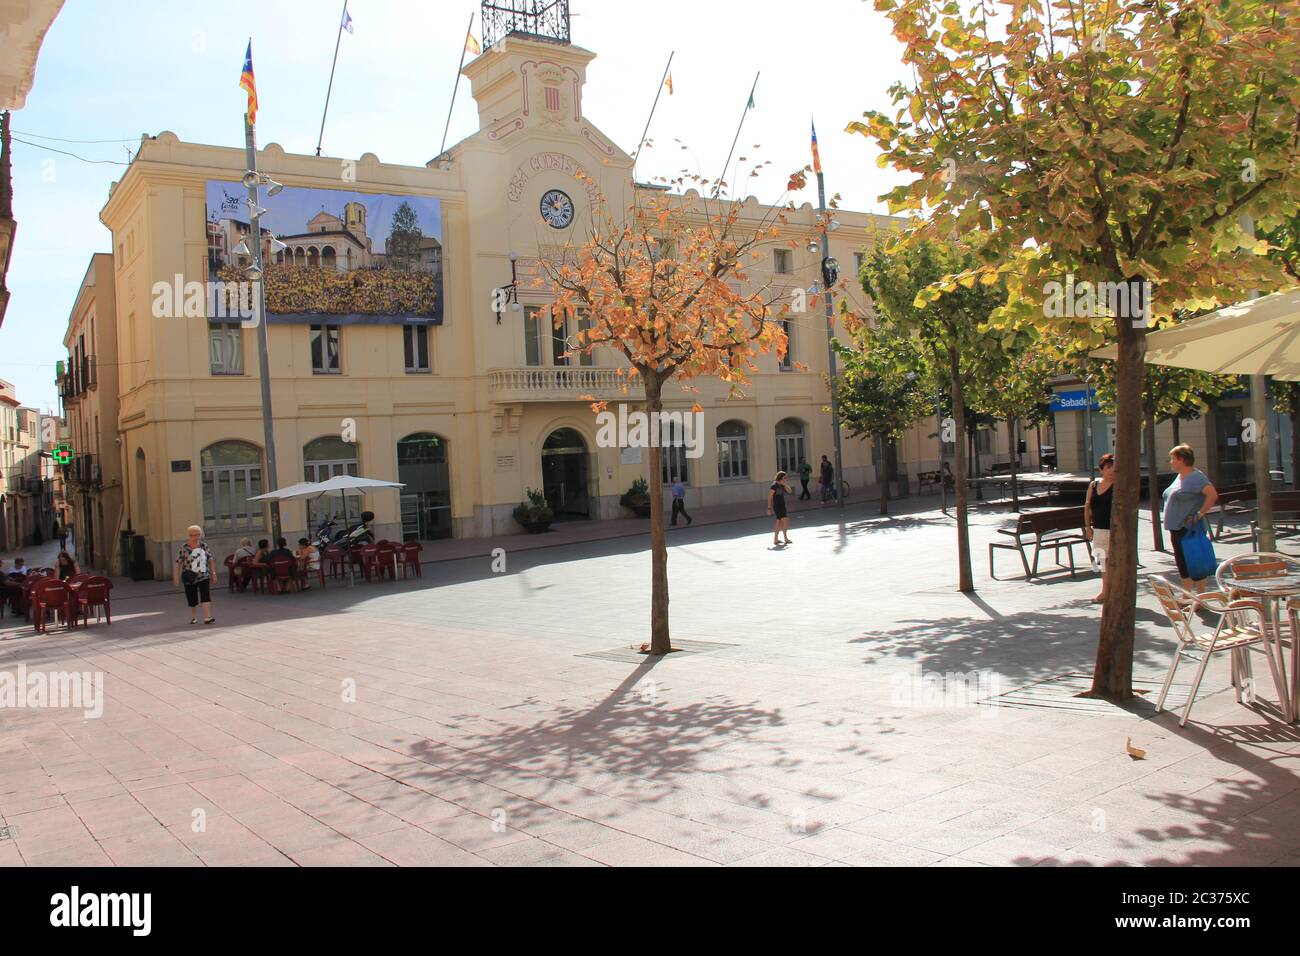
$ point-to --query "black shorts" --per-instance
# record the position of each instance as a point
(199, 591)
(1176, 536)
(778, 507)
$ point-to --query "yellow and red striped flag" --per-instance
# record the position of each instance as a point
(248, 83)
(669, 83)
(472, 45)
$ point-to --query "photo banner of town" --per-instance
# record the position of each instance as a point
(356, 258)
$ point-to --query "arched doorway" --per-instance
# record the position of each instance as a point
(790, 450)
(423, 467)
(567, 474)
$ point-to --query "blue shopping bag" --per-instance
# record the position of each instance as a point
(1198, 553)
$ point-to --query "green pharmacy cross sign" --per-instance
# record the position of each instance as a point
(63, 454)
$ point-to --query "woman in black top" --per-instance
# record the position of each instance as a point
(66, 566)
(776, 506)
(1096, 516)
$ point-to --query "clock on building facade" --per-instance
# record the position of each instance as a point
(557, 209)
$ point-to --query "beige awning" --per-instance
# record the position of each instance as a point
(1257, 337)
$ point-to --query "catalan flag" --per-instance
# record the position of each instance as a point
(248, 83)
(669, 83)
(817, 158)
(472, 45)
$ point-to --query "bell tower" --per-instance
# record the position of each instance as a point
(529, 74)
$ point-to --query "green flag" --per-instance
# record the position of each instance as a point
(750, 104)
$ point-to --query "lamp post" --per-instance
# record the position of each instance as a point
(255, 275)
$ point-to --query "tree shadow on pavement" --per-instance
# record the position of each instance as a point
(1026, 644)
(634, 744)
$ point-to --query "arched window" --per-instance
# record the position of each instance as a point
(323, 459)
(327, 257)
(231, 474)
(790, 445)
(733, 451)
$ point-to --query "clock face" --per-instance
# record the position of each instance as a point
(557, 209)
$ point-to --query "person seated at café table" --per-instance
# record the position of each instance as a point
(66, 566)
(20, 568)
(10, 588)
(281, 551)
(308, 561)
(263, 549)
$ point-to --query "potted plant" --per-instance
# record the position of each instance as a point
(534, 514)
(637, 498)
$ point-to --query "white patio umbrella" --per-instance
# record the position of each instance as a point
(1257, 337)
(336, 487)
(303, 489)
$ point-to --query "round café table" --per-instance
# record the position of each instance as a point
(1272, 590)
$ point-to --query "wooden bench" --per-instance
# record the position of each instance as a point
(1232, 500)
(931, 479)
(1286, 515)
(1048, 531)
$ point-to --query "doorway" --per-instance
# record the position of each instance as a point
(566, 475)
(423, 467)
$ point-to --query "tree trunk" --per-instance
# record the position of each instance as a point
(1153, 482)
(965, 581)
(1178, 429)
(884, 473)
(1011, 444)
(660, 643)
(1112, 677)
(974, 459)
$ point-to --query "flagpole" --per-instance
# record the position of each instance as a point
(464, 48)
(338, 40)
(718, 188)
(653, 107)
(270, 477)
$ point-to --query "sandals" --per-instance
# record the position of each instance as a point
(210, 620)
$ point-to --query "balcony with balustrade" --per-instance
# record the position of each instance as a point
(562, 384)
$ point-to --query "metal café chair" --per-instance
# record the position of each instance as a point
(1241, 624)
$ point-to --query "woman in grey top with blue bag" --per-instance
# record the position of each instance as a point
(1187, 501)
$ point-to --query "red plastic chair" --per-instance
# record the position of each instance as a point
(51, 596)
(386, 560)
(29, 583)
(368, 555)
(93, 596)
(284, 574)
(333, 556)
(230, 572)
(411, 557)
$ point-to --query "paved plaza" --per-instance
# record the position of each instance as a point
(473, 717)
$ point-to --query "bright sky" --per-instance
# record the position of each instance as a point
(115, 71)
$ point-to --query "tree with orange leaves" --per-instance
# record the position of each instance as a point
(665, 285)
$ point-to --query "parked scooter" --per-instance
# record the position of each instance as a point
(357, 535)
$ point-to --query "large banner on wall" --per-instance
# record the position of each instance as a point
(348, 257)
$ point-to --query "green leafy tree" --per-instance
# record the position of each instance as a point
(1115, 141)
(880, 391)
(948, 334)
(1016, 389)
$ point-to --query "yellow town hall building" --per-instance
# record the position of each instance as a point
(468, 404)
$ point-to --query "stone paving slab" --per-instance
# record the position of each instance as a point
(476, 718)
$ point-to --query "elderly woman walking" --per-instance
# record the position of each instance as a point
(193, 570)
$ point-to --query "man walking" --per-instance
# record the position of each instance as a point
(679, 503)
(805, 475)
(827, 479)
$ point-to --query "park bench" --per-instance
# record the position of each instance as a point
(932, 480)
(1232, 500)
(1286, 515)
(1054, 530)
